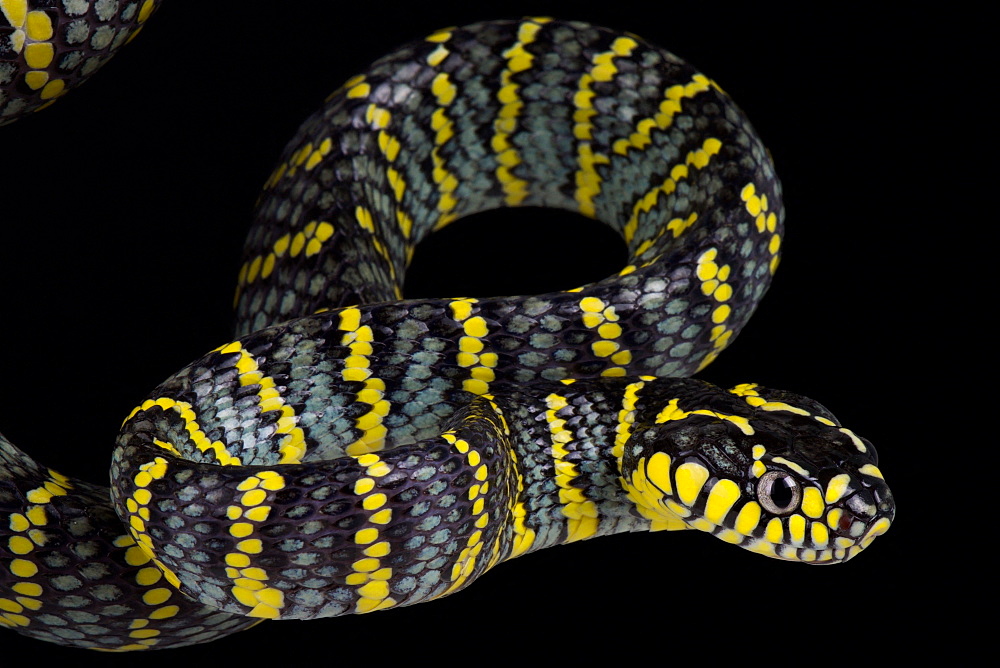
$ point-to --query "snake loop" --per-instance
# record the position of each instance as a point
(351, 451)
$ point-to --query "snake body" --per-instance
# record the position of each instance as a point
(354, 451)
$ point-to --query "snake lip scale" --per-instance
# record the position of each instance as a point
(352, 451)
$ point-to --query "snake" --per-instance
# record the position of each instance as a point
(351, 450)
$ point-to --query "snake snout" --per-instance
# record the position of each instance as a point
(883, 500)
(866, 514)
(885, 513)
(873, 503)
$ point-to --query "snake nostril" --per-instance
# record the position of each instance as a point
(881, 498)
(886, 504)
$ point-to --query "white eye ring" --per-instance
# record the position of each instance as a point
(779, 492)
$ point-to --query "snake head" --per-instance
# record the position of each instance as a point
(768, 470)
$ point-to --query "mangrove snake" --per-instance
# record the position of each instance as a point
(353, 451)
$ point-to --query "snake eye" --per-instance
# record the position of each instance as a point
(778, 492)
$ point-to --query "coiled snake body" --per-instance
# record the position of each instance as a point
(382, 452)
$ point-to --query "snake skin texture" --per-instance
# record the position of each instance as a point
(352, 451)
(47, 47)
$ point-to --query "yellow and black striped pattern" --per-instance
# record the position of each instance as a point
(353, 451)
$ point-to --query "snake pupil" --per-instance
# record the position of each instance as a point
(781, 493)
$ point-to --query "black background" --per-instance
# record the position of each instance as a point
(124, 207)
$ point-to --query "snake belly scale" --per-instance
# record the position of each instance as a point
(353, 451)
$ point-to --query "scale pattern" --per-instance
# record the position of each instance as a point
(48, 47)
(382, 452)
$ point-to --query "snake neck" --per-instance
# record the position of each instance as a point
(568, 463)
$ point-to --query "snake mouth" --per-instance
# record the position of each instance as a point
(876, 527)
(844, 548)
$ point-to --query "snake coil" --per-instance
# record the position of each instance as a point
(353, 451)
